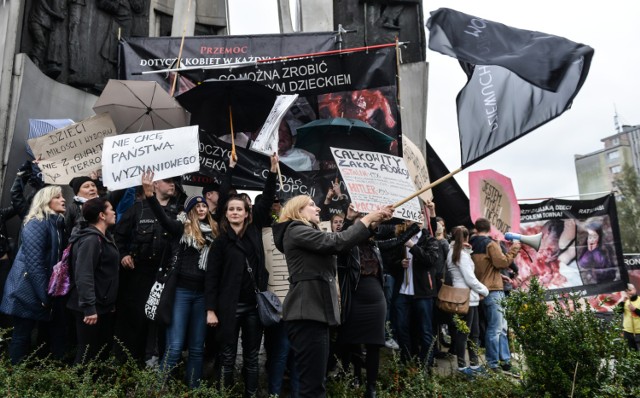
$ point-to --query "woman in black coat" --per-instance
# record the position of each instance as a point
(311, 305)
(94, 286)
(230, 287)
(364, 306)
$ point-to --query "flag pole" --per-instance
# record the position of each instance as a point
(184, 33)
(233, 141)
(424, 189)
(280, 177)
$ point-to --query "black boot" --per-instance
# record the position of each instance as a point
(370, 392)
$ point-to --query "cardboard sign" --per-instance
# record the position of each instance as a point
(375, 180)
(72, 151)
(168, 153)
(417, 166)
(491, 196)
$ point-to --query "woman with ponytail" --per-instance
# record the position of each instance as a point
(461, 267)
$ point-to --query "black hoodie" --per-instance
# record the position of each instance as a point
(95, 263)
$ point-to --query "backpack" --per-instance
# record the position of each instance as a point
(60, 281)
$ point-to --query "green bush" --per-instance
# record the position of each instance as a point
(568, 350)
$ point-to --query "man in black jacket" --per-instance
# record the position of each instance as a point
(417, 293)
(144, 248)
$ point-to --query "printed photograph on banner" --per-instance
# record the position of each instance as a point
(607, 302)
(578, 247)
(365, 94)
(374, 180)
(168, 153)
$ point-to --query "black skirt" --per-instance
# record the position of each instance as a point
(365, 323)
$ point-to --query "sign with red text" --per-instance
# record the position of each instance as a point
(168, 153)
(491, 196)
(72, 151)
(375, 180)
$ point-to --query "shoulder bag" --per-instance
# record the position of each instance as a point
(454, 300)
(269, 305)
(159, 305)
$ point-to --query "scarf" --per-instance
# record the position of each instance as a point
(190, 241)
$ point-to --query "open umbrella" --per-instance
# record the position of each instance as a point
(136, 105)
(217, 106)
(320, 135)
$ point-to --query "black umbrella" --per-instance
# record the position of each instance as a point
(320, 135)
(214, 101)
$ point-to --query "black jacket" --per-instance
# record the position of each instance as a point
(227, 264)
(140, 235)
(95, 263)
(425, 262)
(310, 254)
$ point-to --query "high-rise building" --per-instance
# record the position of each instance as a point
(597, 171)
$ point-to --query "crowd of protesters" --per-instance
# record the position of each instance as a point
(365, 284)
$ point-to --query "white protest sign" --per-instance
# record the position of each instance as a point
(72, 151)
(375, 180)
(417, 166)
(168, 153)
(267, 140)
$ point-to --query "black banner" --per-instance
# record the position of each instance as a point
(142, 54)
(580, 249)
(360, 85)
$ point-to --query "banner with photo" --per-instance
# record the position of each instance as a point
(359, 85)
(580, 249)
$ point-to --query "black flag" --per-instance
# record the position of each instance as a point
(518, 79)
(453, 203)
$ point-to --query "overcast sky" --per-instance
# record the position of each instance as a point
(541, 163)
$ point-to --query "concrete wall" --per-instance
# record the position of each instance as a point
(36, 96)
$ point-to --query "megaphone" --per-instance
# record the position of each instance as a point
(529, 240)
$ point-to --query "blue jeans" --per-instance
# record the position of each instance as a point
(189, 314)
(496, 343)
(279, 358)
(390, 329)
(421, 310)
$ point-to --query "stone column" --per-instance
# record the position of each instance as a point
(182, 14)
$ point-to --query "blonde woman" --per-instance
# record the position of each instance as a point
(193, 234)
(25, 294)
(311, 305)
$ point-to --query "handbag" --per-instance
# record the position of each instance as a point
(159, 305)
(269, 305)
(60, 281)
(454, 300)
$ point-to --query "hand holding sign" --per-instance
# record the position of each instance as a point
(147, 183)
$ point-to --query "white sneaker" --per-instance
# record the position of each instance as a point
(392, 344)
(153, 362)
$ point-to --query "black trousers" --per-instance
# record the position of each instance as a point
(94, 341)
(633, 340)
(248, 321)
(462, 342)
(310, 345)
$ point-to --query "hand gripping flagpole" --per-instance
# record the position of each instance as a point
(424, 189)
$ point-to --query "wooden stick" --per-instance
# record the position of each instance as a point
(433, 184)
(233, 141)
(280, 177)
(184, 33)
